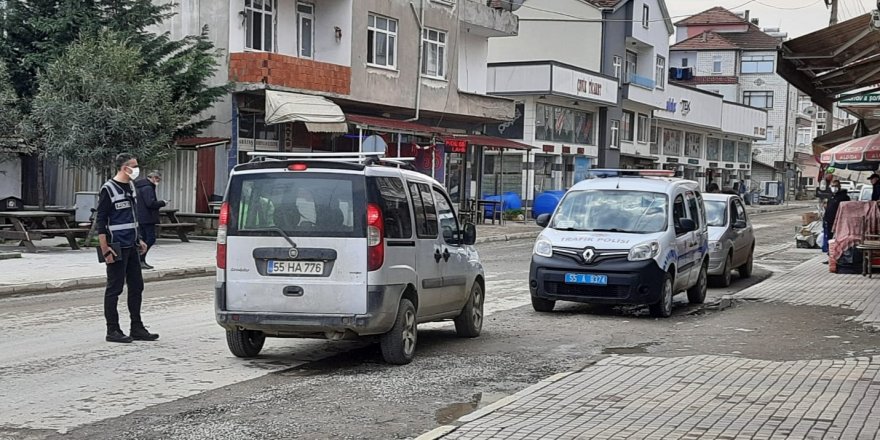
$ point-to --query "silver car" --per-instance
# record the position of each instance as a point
(731, 238)
(340, 249)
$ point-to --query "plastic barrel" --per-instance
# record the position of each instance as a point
(511, 200)
(489, 210)
(546, 202)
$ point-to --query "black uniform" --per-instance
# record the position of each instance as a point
(831, 211)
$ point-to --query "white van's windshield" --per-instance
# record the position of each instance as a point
(637, 212)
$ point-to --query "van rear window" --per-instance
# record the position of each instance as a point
(300, 204)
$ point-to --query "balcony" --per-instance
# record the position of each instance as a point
(488, 18)
(641, 81)
(287, 71)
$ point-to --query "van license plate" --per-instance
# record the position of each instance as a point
(275, 267)
(585, 278)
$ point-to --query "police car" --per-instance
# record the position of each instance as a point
(623, 237)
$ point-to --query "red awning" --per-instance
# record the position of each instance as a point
(200, 142)
(489, 141)
(862, 151)
(391, 125)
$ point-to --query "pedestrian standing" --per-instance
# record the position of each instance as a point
(875, 183)
(837, 195)
(121, 244)
(148, 207)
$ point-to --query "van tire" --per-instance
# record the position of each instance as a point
(697, 293)
(663, 307)
(723, 280)
(543, 305)
(399, 344)
(469, 322)
(245, 343)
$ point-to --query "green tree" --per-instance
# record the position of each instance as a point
(10, 117)
(95, 101)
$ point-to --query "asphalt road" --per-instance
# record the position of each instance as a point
(60, 380)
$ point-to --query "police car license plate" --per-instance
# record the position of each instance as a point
(275, 267)
(586, 278)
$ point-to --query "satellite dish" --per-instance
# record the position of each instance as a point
(810, 111)
(516, 4)
(374, 144)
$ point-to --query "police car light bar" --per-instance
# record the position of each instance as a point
(598, 173)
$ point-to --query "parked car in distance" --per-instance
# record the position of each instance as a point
(848, 185)
(731, 238)
(864, 194)
(623, 237)
(325, 246)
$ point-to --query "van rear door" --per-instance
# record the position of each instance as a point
(296, 241)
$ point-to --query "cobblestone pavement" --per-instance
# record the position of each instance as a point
(812, 284)
(690, 398)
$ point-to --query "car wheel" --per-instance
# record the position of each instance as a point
(245, 343)
(663, 307)
(723, 280)
(745, 271)
(543, 305)
(469, 322)
(399, 344)
(697, 294)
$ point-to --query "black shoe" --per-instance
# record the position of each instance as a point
(824, 262)
(118, 336)
(146, 266)
(141, 334)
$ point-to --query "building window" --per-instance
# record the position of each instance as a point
(646, 16)
(820, 127)
(758, 99)
(743, 152)
(382, 41)
(661, 72)
(618, 66)
(805, 136)
(693, 146)
(259, 25)
(655, 136)
(434, 49)
(716, 64)
(631, 67)
(728, 151)
(672, 140)
(713, 149)
(684, 62)
(305, 19)
(757, 64)
(615, 133)
(642, 129)
(771, 135)
(626, 126)
(560, 124)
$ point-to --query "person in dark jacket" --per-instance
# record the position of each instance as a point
(838, 195)
(148, 211)
(875, 183)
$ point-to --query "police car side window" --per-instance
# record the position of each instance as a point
(425, 212)
(678, 212)
(446, 216)
(395, 207)
(694, 210)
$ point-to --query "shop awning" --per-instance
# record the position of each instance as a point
(319, 114)
(200, 142)
(376, 123)
(488, 141)
(833, 61)
(841, 135)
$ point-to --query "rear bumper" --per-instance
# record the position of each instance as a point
(382, 304)
(629, 282)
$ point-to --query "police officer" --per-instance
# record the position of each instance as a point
(117, 225)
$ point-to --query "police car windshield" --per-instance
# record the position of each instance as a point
(635, 212)
(716, 213)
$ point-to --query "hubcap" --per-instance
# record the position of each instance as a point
(409, 332)
(478, 307)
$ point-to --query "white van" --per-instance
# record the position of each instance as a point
(342, 247)
(623, 237)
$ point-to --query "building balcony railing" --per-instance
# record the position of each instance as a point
(287, 71)
(641, 81)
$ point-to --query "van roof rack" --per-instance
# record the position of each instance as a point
(608, 172)
(364, 158)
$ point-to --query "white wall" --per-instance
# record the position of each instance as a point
(536, 40)
(704, 110)
(512, 79)
(742, 120)
(472, 70)
(328, 15)
(730, 92)
(705, 63)
(657, 34)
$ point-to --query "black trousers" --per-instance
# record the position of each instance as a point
(125, 270)
(148, 232)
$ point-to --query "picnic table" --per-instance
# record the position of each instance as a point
(482, 204)
(170, 214)
(29, 226)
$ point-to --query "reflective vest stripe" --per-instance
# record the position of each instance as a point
(115, 194)
(123, 226)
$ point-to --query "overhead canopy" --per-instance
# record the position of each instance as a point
(317, 112)
(489, 141)
(841, 135)
(392, 125)
(200, 142)
(862, 154)
(833, 61)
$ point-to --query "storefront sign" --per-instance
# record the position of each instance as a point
(700, 174)
(671, 160)
(743, 166)
(871, 98)
(713, 164)
(456, 146)
(761, 131)
(685, 107)
(509, 129)
(594, 87)
(728, 165)
(671, 105)
(589, 87)
(694, 161)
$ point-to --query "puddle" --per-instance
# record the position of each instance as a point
(451, 413)
(636, 349)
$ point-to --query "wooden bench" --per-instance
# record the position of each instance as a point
(181, 228)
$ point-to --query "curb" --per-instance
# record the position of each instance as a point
(441, 431)
(101, 281)
(787, 208)
(508, 237)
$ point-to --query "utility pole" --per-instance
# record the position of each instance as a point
(829, 118)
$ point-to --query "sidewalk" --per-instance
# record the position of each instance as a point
(54, 268)
(713, 397)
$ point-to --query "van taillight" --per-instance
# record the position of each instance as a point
(221, 235)
(375, 234)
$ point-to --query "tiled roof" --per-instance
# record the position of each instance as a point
(705, 80)
(603, 3)
(754, 38)
(705, 41)
(716, 15)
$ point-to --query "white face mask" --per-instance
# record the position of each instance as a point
(834, 189)
(135, 172)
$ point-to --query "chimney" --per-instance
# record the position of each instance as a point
(746, 17)
(755, 21)
(705, 37)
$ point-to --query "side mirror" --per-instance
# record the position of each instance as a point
(740, 224)
(686, 225)
(543, 220)
(470, 235)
